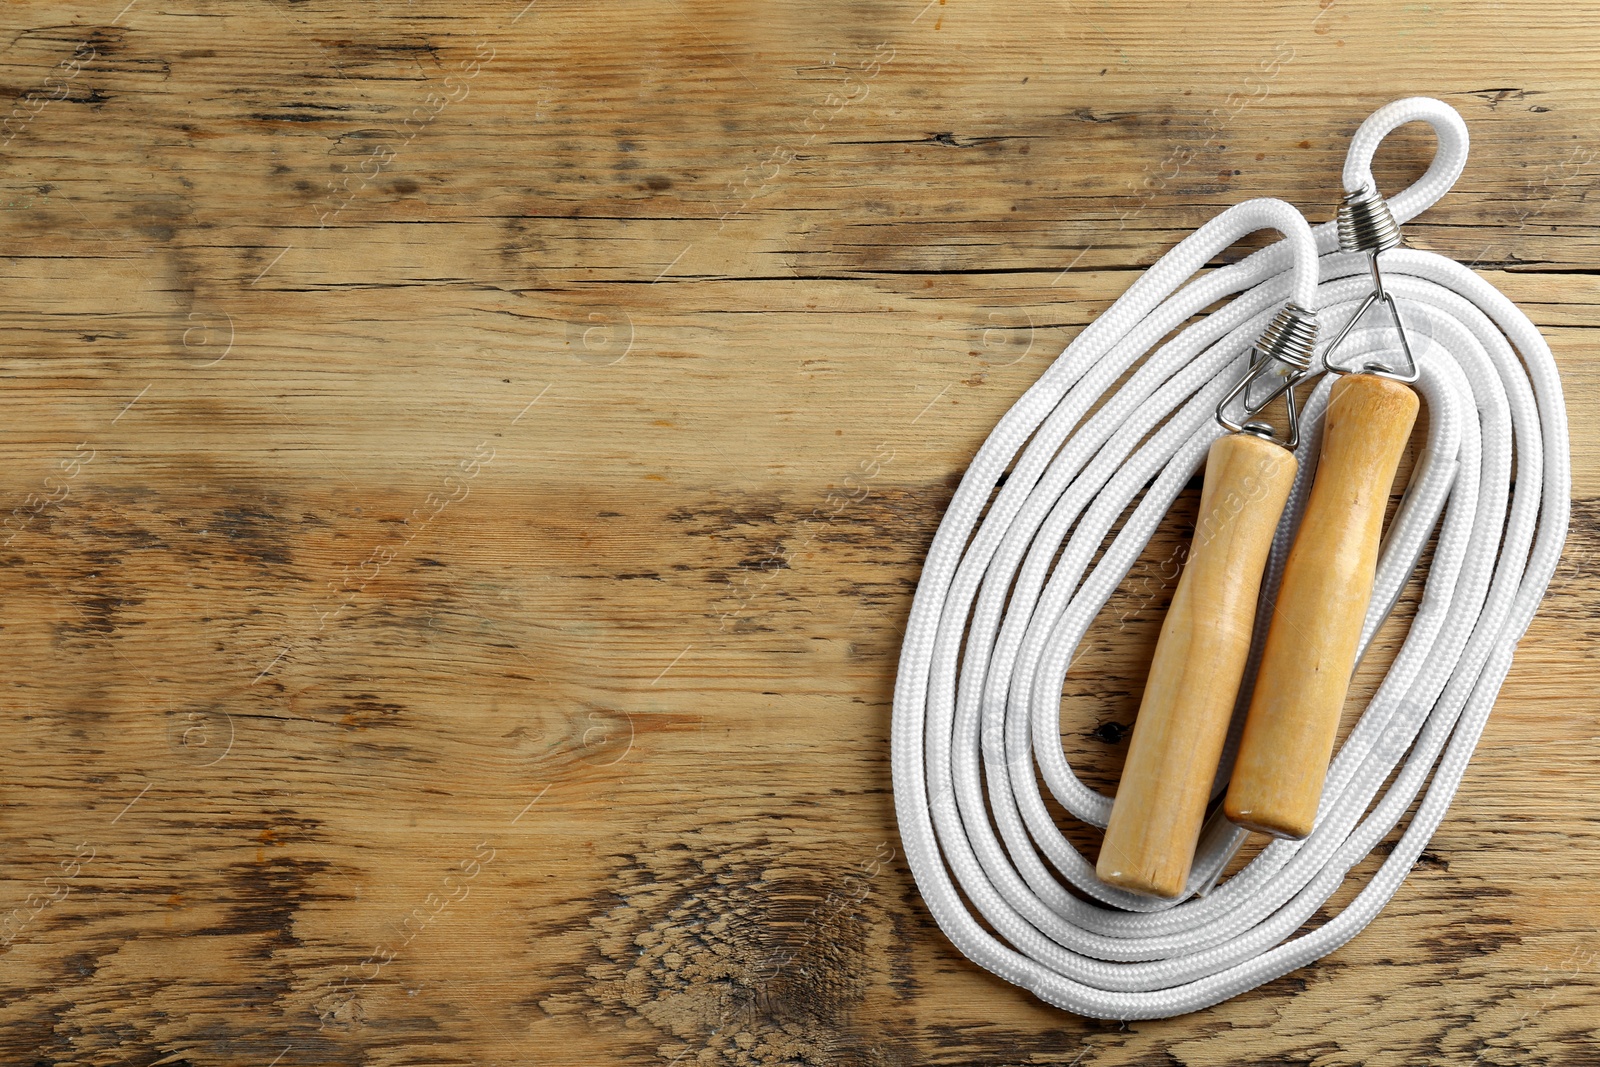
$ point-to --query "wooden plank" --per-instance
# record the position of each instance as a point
(435, 642)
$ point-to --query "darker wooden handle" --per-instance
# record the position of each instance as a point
(1316, 625)
(1194, 677)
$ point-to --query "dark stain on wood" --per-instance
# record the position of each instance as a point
(755, 954)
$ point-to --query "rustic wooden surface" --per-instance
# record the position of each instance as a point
(430, 635)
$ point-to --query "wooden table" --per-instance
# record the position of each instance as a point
(467, 468)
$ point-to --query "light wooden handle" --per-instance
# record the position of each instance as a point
(1316, 624)
(1194, 677)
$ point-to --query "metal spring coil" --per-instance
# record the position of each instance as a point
(1366, 224)
(1291, 336)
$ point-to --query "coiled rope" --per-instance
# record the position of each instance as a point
(997, 616)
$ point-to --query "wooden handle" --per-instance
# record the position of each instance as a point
(1194, 677)
(1316, 624)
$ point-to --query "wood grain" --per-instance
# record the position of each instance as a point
(490, 454)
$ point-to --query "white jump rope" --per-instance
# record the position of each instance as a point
(995, 624)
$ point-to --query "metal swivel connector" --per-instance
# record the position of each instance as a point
(1366, 225)
(1281, 359)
